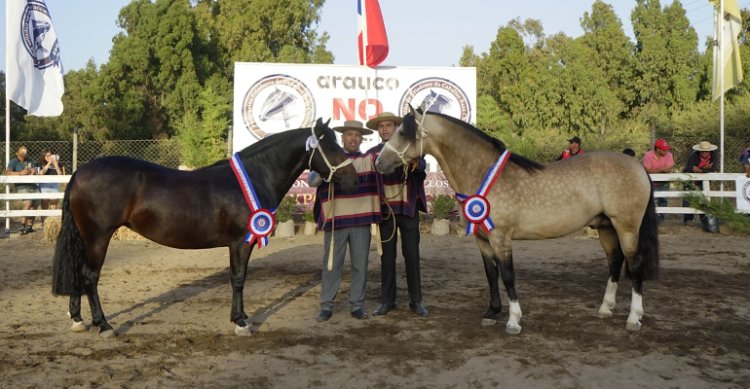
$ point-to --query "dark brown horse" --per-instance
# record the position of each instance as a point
(605, 190)
(183, 209)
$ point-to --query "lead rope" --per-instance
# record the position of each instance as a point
(312, 143)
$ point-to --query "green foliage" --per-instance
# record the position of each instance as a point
(308, 216)
(286, 209)
(442, 205)
(724, 209)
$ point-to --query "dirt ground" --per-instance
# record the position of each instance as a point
(170, 310)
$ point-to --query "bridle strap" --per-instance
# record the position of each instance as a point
(332, 169)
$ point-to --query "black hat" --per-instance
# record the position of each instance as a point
(575, 139)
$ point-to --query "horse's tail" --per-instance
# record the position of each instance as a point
(647, 257)
(69, 252)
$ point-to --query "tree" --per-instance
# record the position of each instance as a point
(16, 113)
(666, 56)
(613, 51)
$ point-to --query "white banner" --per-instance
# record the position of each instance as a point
(743, 193)
(35, 72)
(270, 97)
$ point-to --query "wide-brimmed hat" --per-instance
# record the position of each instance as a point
(575, 139)
(355, 125)
(18, 152)
(662, 144)
(382, 117)
(705, 146)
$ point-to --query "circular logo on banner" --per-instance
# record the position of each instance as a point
(439, 95)
(277, 103)
(476, 209)
(261, 223)
(38, 35)
(746, 191)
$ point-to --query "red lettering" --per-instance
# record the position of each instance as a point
(345, 109)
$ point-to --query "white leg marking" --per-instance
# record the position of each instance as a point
(514, 317)
(78, 326)
(636, 313)
(608, 303)
(242, 331)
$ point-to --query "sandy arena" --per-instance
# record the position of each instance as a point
(170, 310)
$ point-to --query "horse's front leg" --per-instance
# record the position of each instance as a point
(501, 245)
(492, 273)
(239, 254)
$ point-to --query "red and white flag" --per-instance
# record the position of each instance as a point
(371, 40)
(35, 73)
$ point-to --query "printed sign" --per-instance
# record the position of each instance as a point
(272, 97)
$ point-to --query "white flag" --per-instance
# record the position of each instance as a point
(35, 73)
(730, 63)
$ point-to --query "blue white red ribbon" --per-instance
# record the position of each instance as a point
(476, 208)
(261, 221)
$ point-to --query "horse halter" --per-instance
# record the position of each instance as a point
(421, 134)
(314, 144)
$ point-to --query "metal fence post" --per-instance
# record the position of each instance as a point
(75, 150)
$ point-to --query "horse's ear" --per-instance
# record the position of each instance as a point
(411, 109)
(410, 126)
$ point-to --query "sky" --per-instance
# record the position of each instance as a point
(420, 32)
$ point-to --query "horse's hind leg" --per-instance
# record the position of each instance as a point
(74, 311)
(629, 243)
(95, 252)
(611, 244)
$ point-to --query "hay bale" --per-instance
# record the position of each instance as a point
(125, 233)
(52, 229)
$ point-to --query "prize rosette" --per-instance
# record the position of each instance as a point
(260, 225)
(476, 210)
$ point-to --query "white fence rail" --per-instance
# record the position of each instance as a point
(703, 180)
(7, 197)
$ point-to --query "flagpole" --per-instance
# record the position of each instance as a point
(7, 115)
(721, 87)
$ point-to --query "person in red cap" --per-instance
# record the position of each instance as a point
(659, 160)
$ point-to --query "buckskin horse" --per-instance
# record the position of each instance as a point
(510, 197)
(197, 209)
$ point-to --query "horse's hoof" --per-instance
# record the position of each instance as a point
(106, 334)
(242, 331)
(488, 322)
(513, 330)
(78, 326)
(633, 327)
(604, 313)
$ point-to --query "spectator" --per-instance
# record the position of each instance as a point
(659, 160)
(574, 148)
(702, 160)
(745, 161)
(21, 165)
(50, 167)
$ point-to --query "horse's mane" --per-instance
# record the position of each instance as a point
(522, 162)
(258, 148)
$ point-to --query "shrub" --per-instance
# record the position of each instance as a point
(723, 209)
(286, 209)
(442, 206)
(308, 215)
